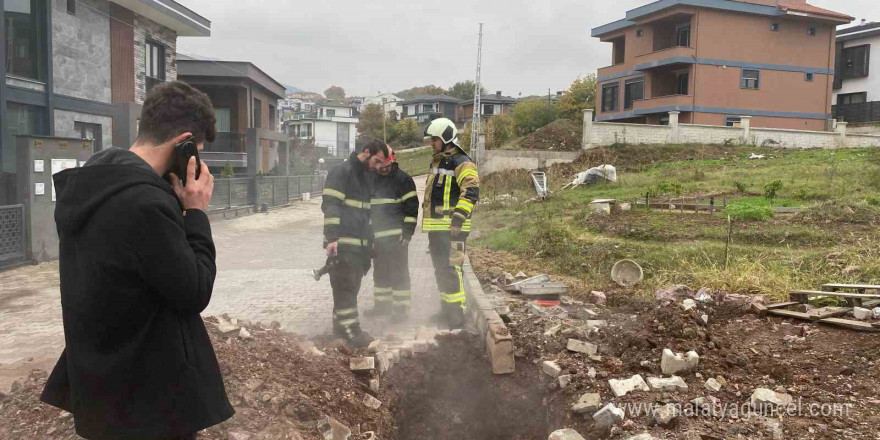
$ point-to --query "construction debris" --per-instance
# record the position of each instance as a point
(608, 416)
(623, 387)
(667, 385)
(588, 404)
(673, 363)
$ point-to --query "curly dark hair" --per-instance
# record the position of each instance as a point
(173, 108)
(374, 146)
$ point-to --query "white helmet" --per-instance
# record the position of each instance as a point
(444, 129)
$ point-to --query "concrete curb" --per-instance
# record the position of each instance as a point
(492, 333)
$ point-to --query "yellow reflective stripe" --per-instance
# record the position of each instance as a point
(447, 192)
(353, 241)
(453, 297)
(410, 220)
(332, 221)
(465, 205)
(408, 196)
(461, 286)
(382, 290)
(357, 204)
(333, 193)
(384, 201)
(388, 233)
(346, 312)
(442, 224)
(402, 293)
(348, 322)
(467, 173)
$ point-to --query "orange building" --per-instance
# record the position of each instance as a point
(717, 60)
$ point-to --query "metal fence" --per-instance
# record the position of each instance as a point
(12, 245)
(857, 113)
(269, 190)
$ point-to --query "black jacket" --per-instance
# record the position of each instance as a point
(135, 274)
(395, 205)
(346, 206)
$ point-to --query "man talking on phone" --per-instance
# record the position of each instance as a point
(137, 265)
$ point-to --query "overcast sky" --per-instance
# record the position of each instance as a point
(387, 46)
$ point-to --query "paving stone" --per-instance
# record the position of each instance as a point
(582, 347)
(362, 364)
(626, 386)
(673, 363)
(608, 416)
(565, 434)
(551, 369)
(668, 385)
(588, 404)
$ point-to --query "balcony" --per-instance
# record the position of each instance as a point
(666, 103)
(228, 143)
(666, 57)
(611, 72)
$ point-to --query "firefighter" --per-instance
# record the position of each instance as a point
(348, 236)
(394, 210)
(451, 193)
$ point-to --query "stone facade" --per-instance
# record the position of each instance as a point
(148, 30)
(81, 50)
(64, 126)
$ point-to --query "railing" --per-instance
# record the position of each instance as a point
(12, 244)
(228, 143)
(857, 113)
(663, 102)
(269, 190)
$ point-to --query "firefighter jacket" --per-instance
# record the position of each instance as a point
(346, 206)
(395, 205)
(452, 192)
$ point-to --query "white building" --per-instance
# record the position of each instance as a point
(389, 101)
(332, 126)
(857, 73)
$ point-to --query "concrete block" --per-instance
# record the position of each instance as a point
(420, 347)
(374, 385)
(362, 364)
(588, 404)
(626, 386)
(608, 416)
(673, 363)
(383, 362)
(406, 350)
(372, 402)
(499, 346)
(377, 346)
(395, 354)
(551, 369)
(597, 323)
(564, 381)
(863, 314)
(669, 385)
(582, 347)
(565, 434)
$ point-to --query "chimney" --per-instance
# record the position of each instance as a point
(498, 94)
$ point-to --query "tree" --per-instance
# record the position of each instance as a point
(464, 90)
(371, 121)
(499, 130)
(335, 92)
(408, 132)
(421, 91)
(580, 96)
(532, 115)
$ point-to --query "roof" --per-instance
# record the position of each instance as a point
(786, 7)
(868, 30)
(334, 104)
(190, 69)
(491, 99)
(170, 14)
(430, 98)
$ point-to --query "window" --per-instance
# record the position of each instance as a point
(774, 27)
(25, 38)
(223, 117)
(619, 48)
(272, 117)
(610, 97)
(808, 76)
(90, 132)
(750, 79)
(683, 35)
(633, 90)
(25, 119)
(488, 109)
(811, 31)
(258, 113)
(852, 98)
(427, 108)
(639, 33)
(330, 113)
(855, 61)
(154, 64)
(682, 81)
(732, 121)
(71, 7)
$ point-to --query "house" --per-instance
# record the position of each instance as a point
(356, 103)
(425, 109)
(82, 69)
(290, 107)
(717, 60)
(244, 98)
(332, 126)
(492, 105)
(389, 101)
(857, 74)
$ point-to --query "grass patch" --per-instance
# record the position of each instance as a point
(415, 164)
(745, 211)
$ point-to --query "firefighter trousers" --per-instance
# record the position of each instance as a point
(345, 279)
(391, 276)
(450, 280)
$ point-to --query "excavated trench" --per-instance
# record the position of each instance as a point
(450, 393)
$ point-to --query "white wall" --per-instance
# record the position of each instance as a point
(325, 134)
(871, 83)
(501, 160)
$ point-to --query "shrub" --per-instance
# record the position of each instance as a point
(748, 211)
(771, 189)
(227, 171)
(741, 187)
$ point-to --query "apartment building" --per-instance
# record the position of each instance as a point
(717, 60)
(425, 109)
(857, 74)
(491, 106)
(332, 126)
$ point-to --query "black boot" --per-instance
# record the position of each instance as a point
(359, 338)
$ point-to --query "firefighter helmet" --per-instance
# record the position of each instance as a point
(444, 129)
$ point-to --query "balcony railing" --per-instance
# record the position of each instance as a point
(228, 143)
(664, 57)
(663, 102)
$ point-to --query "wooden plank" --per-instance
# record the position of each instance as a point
(830, 286)
(799, 297)
(831, 314)
(871, 304)
(781, 305)
(850, 324)
(835, 294)
(791, 314)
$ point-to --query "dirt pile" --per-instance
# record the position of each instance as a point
(559, 135)
(282, 388)
(838, 212)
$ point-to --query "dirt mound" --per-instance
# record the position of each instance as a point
(559, 135)
(835, 211)
(280, 386)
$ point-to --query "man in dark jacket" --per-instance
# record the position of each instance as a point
(395, 212)
(348, 236)
(137, 267)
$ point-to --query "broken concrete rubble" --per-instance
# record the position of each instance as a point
(362, 364)
(564, 381)
(331, 429)
(565, 434)
(552, 330)
(588, 404)
(625, 386)
(245, 334)
(793, 330)
(582, 347)
(688, 304)
(372, 402)
(669, 385)
(673, 363)
(551, 369)
(665, 415)
(598, 298)
(863, 314)
(673, 294)
(712, 385)
(226, 326)
(764, 397)
(643, 436)
(608, 416)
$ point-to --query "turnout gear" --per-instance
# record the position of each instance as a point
(346, 207)
(452, 192)
(444, 129)
(395, 210)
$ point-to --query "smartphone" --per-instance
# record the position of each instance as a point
(182, 154)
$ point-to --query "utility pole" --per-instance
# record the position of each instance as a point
(384, 117)
(476, 123)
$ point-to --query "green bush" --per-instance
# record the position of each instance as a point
(749, 211)
(741, 187)
(771, 189)
(532, 115)
(227, 171)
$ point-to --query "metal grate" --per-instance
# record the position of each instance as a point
(12, 244)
